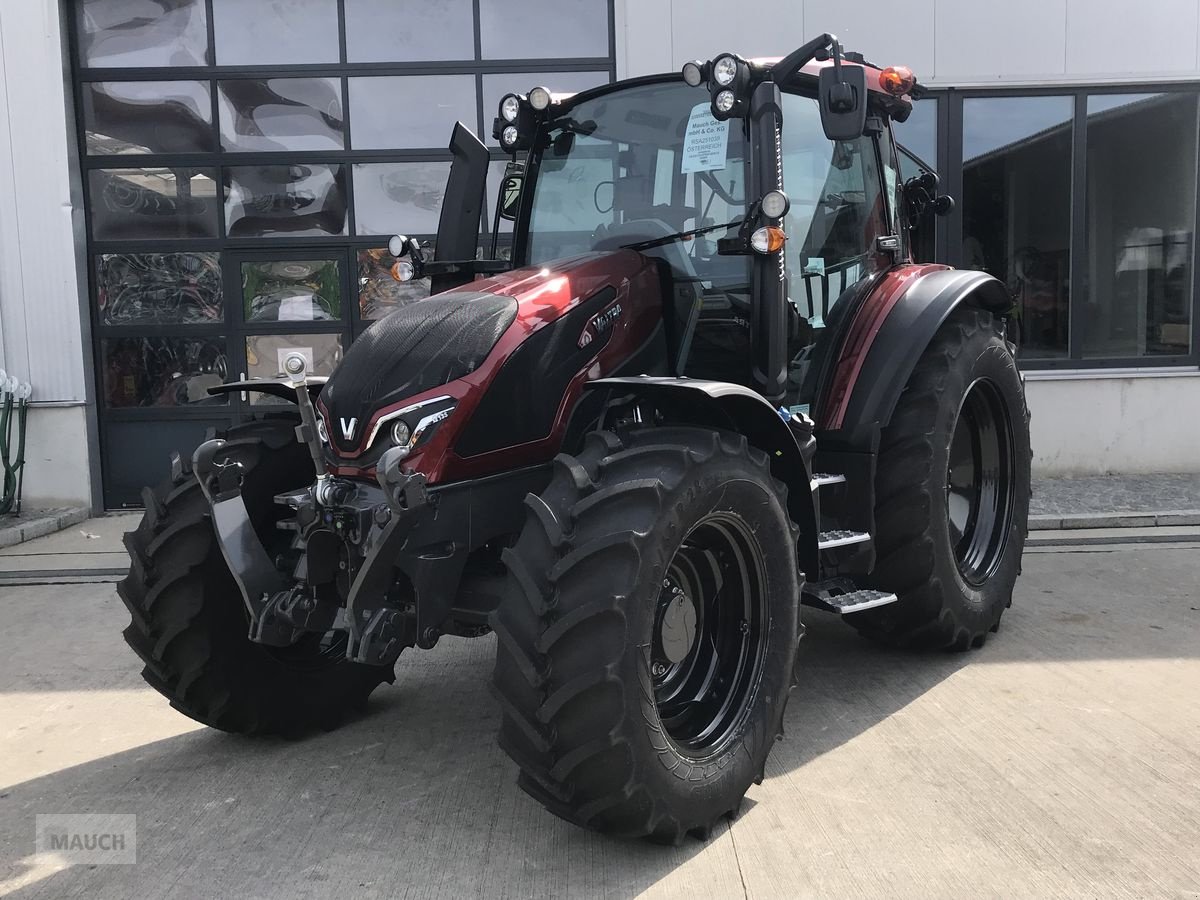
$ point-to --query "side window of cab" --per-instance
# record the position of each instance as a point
(838, 209)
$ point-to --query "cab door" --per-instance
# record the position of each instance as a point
(839, 211)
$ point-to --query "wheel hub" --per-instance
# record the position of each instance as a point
(678, 627)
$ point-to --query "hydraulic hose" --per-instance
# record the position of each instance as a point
(14, 412)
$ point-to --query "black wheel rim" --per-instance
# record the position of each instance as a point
(709, 638)
(979, 482)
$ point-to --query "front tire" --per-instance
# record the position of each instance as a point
(647, 640)
(189, 624)
(952, 492)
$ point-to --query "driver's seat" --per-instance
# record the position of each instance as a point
(686, 294)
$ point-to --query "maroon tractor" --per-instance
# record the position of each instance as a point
(707, 385)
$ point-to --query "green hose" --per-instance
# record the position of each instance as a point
(14, 411)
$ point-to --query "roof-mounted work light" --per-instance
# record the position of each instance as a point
(518, 117)
(515, 123)
(728, 85)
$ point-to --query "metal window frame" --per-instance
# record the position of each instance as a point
(231, 249)
(950, 161)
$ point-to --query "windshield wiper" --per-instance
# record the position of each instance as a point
(678, 236)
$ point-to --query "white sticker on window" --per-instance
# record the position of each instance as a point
(282, 353)
(296, 308)
(705, 142)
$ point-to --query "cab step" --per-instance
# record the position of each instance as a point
(820, 480)
(854, 601)
(829, 540)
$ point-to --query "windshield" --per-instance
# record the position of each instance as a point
(635, 166)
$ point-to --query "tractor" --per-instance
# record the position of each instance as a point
(707, 385)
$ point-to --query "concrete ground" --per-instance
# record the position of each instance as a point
(1061, 760)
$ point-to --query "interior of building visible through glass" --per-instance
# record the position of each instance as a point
(1017, 209)
(1141, 186)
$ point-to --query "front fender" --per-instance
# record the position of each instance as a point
(886, 340)
(721, 404)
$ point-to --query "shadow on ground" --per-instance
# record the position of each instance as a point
(415, 797)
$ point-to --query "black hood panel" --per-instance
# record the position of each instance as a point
(411, 350)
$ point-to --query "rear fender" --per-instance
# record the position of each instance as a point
(887, 339)
(720, 404)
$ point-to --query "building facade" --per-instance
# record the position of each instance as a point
(191, 188)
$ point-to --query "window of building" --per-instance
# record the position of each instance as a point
(1139, 231)
(244, 164)
(1016, 208)
(1084, 203)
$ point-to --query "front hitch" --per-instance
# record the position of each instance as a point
(378, 632)
(371, 526)
(220, 477)
(281, 608)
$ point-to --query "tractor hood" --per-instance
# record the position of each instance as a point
(418, 347)
(533, 334)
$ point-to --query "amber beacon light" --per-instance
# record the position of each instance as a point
(897, 80)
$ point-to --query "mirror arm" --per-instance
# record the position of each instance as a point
(783, 70)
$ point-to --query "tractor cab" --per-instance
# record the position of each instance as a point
(769, 201)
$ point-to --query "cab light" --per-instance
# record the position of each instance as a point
(897, 80)
(725, 70)
(768, 239)
(540, 98)
(510, 108)
(402, 270)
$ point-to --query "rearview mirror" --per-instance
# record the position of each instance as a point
(842, 95)
(510, 196)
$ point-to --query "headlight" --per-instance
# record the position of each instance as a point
(413, 425)
(725, 70)
(509, 136)
(725, 101)
(510, 108)
(539, 98)
(401, 433)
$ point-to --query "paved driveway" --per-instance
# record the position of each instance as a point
(1063, 759)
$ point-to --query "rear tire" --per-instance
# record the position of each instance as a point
(596, 659)
(189, 622)
(949, 545)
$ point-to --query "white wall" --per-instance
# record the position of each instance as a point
(944, 41)
(42, 338)
(1099, 423)
(57, 469)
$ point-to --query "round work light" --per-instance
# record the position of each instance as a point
(725, 70)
